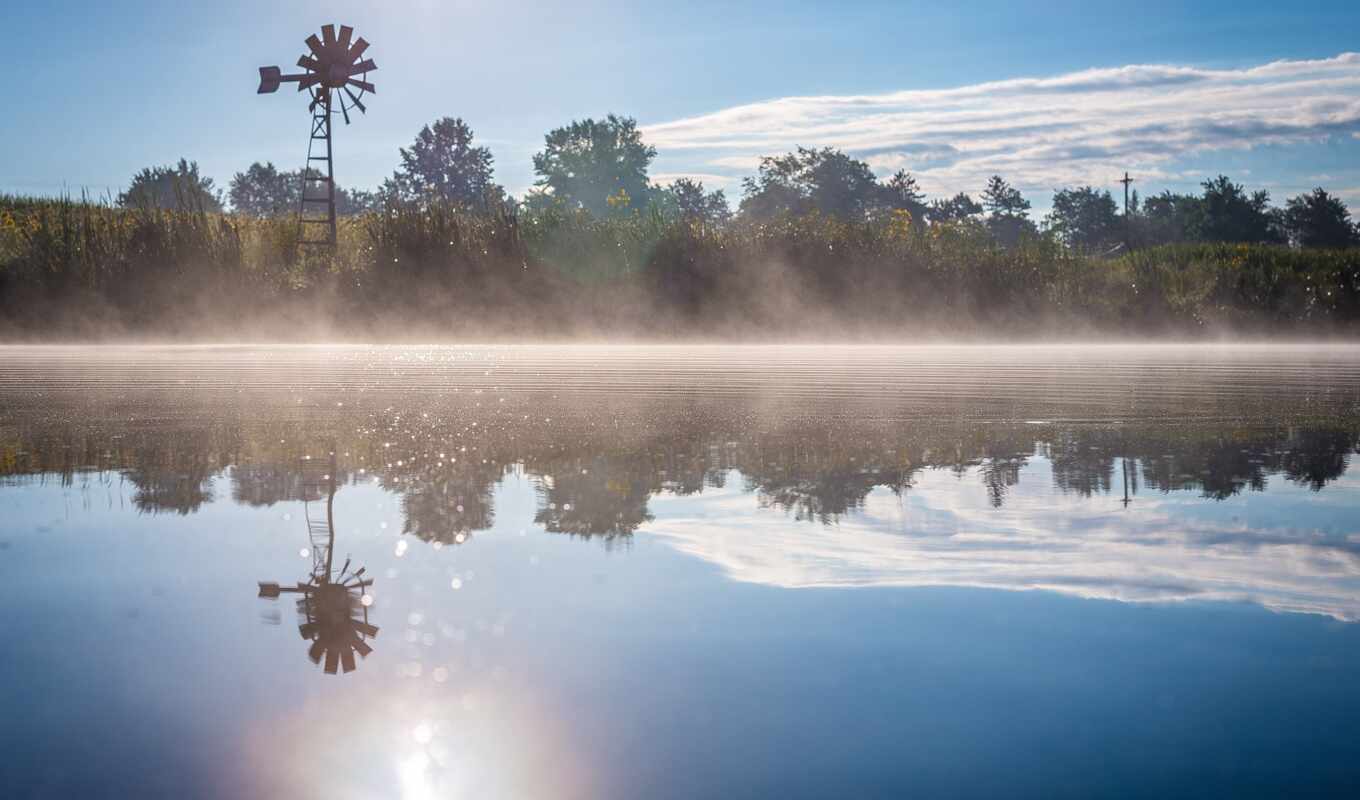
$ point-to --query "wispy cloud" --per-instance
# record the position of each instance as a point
(1040, 132)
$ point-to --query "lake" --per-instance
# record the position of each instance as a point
(671, 571)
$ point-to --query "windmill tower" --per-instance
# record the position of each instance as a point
(333, 72)
(333, 606)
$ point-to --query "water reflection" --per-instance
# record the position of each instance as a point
(608, 582)
(333, 606)
(768, 492)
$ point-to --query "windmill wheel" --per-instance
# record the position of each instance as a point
(335, 66)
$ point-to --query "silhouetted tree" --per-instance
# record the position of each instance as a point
(826, 180)
(442, 163)
(1319, 219)
(1084, 218)
(263, 191)
(1226, 213)
(600, 166)
(1007, 211)
(180, 187)
(901, 192)
(1166, 218)
(958, 208)
(694, 204)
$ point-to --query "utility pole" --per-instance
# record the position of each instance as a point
(1128, 228)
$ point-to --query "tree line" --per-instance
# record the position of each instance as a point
(601, 167)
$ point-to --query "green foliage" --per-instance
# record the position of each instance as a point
(1226, 213)
(959, 208)
(825, 180)
(1318, 219)
(433, 269)
(442, 164)
(263, 191)
(597, 166)
(176, 188)
(1085, 219)
(687, 199)
(901, 192)
(1007, 212)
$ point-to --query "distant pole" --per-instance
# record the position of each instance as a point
(1127, 181)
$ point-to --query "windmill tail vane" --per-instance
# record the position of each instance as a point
(334, 68)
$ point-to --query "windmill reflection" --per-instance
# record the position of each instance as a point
(333, 606)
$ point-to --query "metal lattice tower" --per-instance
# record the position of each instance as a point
(316, 209)
(331, 67)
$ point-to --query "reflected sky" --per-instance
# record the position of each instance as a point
(647, 592)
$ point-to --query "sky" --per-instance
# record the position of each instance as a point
(1047, 95)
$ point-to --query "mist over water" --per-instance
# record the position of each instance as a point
(624, 570)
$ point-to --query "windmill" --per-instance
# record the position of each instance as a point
(333, 606)
(333, 70)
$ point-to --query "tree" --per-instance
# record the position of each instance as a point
(357, 201)
(1000, 199)
(959, 208)
(1318, 219)
(694, 204)
(442, 163)
(1166, 218)
(902, 192)
(1007, 211)
(263, 191)
(826, 180)
(1227, 213)
(1084, 218)
(600, 166)
(180, 187)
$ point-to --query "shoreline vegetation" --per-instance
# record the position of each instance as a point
(818, 249)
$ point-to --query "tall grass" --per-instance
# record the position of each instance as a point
(74, 269)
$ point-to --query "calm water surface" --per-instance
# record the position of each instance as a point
(624, 572)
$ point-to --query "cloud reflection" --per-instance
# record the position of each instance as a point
(944, 533)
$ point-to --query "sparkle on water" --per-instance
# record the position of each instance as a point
(674, 571)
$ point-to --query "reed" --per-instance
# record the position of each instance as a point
(71, 268)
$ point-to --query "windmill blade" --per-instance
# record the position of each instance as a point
(371, 631)
(309, 63)
(314, 653)
(332, 661)
(344, 112)
(347, 659)
(357, 51)
(353, 98)
(328, 35)
(362, 647)
(314, 44)
(366, 65)
(346, 32)
(361, 570)
(365, 85)
(345, 567)
(307, 630)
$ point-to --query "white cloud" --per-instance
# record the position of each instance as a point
(1041, 133)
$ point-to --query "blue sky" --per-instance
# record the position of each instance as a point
(1171, 91)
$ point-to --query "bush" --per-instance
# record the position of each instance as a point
(74, 269)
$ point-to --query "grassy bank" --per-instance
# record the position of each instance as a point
(71, 270)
